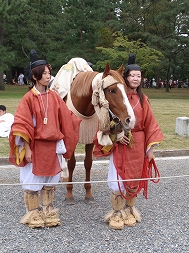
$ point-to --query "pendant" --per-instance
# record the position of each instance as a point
(45, 121)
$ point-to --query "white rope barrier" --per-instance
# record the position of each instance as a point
(99, 181)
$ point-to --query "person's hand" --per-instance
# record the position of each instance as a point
(150, 154)
(124, 140)
(28, 154)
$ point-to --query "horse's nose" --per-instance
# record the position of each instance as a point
(127, 120)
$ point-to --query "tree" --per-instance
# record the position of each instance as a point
(67, 29)
(162, 25)
(88, 24)
(5, 50)
(148, 58)
(62, 29)
(39, 32)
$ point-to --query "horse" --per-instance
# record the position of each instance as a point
(93, 96)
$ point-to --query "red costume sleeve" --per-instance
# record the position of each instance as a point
(23, 127)
(62, 124)
(153, 134)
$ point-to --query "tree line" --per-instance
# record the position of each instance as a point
(98, 31)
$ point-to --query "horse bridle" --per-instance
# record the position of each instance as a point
(117, 121)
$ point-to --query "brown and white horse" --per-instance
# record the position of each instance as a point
(109, 89)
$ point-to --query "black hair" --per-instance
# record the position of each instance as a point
(2, 107)
(38, 71)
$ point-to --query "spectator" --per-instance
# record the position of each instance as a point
(21, 79)
(4, 78)
(170, 83)
(6, 120)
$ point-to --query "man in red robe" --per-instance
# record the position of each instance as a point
(43, 131)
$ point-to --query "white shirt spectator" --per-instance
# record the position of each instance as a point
(21, 79)
(6, 121)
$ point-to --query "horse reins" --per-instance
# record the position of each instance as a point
(148, 169)
(117, 120)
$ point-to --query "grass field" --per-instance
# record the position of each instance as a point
(167, 106)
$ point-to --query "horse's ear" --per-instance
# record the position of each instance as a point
(106, 70)
(120, 70)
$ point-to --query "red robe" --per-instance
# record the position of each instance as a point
(129, 161)
(146, 133)
(62, 124)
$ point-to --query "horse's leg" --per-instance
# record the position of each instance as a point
(69, 196)
(64, 176)
(88, 164)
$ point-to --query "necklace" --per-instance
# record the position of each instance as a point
(44, 109)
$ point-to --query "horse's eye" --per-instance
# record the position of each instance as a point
(112, 91)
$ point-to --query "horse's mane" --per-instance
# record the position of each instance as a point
(82, 84)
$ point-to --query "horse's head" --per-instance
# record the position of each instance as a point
(115, 93)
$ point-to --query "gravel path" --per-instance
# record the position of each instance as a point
(164, 226)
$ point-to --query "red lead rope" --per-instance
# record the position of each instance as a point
(150, 170)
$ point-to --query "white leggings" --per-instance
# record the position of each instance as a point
(112, 175)
(27, 177)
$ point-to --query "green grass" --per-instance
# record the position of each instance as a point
(167, 106)
(11, 96)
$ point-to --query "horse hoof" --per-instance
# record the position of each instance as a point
(69, 201)
(89, 200)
